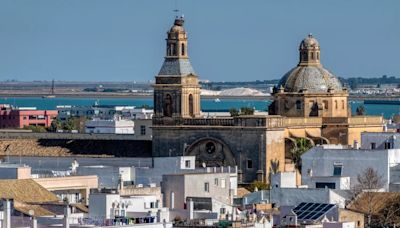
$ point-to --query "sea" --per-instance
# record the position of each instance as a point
(209, 105)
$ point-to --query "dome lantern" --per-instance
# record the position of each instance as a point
(309, 51)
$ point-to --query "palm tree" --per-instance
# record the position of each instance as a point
(301, 146)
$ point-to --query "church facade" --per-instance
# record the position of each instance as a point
(309, 103)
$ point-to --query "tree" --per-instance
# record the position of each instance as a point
(246, 111)
(260, 185)
(368, 183)
(360, 111)
(234, 112)
(74, 123)
(55, 125)
(389, 215)
(301, 146)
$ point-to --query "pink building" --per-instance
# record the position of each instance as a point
(20, 117)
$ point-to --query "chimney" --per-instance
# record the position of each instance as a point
(191, 209)
(356, 145)
(67, 213)
(6, 223)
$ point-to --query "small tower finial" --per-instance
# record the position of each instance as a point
(176, 13)
(310, 34)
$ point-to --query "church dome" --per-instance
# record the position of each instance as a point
(313, 79)
(309, 75)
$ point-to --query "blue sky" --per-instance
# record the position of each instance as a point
(229, 40)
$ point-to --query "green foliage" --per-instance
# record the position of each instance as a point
(55, 125)
(301, 146)
(260, 185)
(246, 111)
(360, 111)
(234, 112)
(74, 123)
(243, 111)
(37, 129)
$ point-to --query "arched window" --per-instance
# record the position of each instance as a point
(167, 106)
(183, 49)
(305, 57)
(312, 55)
(336, 106)
(191, 112)
(342, 104)
(326, 106)
(173, 49)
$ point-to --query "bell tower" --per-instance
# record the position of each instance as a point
(177, 89)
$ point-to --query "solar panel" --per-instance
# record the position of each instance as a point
(312, 211)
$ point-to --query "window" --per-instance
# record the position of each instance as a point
(336, 106)
(318, 55)
(325, 104)
(187, 164)
(373, 146)
(312, 55)
(342, 104)
(223, 182)
(142, 130)
(337, 169)
(222, 211)
(168, 105)
(298, 105)
(183, 49)
(191, 105)
(305, 57)
(325, 185)
(216, 181)
(123, 213)
(206, 187)
(249, 164)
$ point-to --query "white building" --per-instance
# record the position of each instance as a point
(111, 209)
(380, 140)
(211, 191)
(103, 112)
(111, 126)
(327, 166)
(165, 165)
(289, 197)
